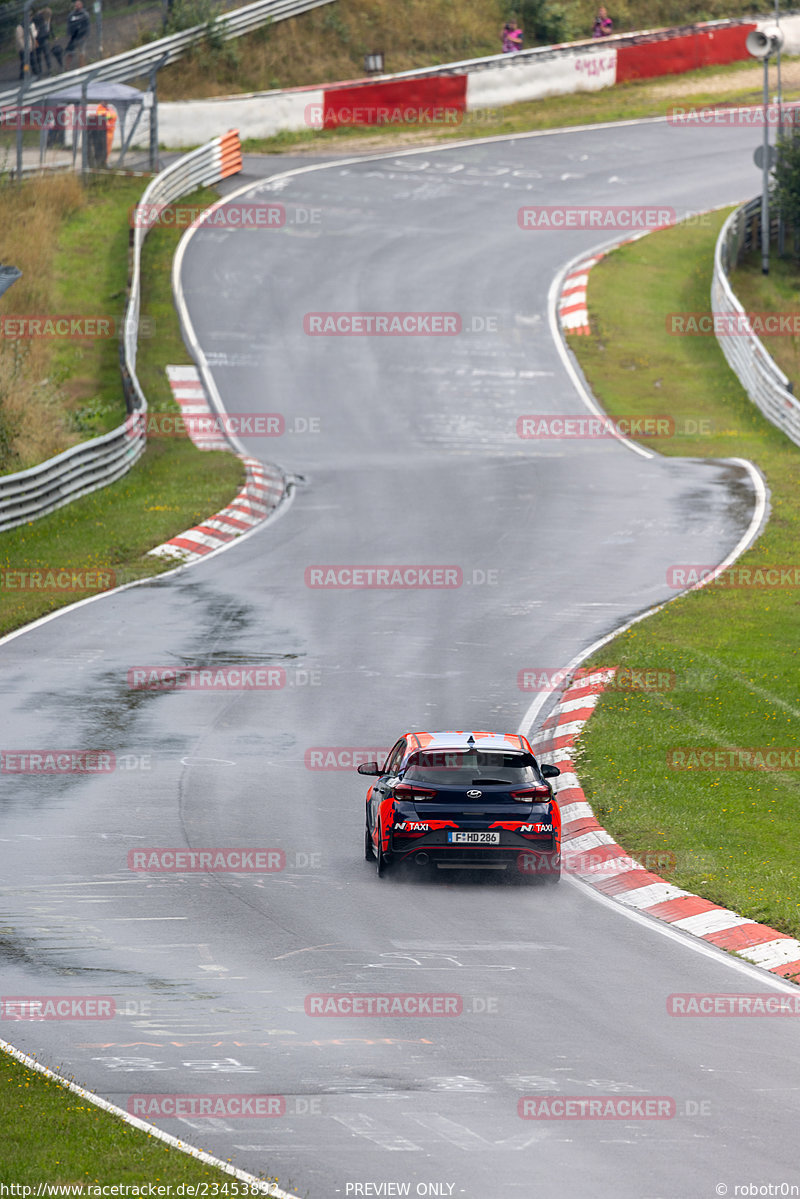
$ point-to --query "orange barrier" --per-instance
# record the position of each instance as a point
(230, 149)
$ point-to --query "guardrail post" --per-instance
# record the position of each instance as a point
(154, 113)
(20, 100)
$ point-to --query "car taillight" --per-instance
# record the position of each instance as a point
(408, 791)
(531, 795)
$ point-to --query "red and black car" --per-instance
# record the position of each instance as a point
(463, 800)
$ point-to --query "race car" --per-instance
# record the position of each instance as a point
(463, 800)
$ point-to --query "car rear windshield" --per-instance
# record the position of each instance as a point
(469, 767)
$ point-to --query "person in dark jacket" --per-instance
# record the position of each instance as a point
(77, 34)
(42, 23)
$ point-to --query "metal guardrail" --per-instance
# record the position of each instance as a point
(143, 59)
(84, 468)
(763, 380)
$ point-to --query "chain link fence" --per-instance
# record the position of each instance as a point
(115, 26)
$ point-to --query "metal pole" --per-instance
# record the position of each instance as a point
(154, 113)
(765, 179)
(84, 120)
(779, 138)
(26, 25)
(98, 12)
(20, 100)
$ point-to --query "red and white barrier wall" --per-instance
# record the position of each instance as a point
(441, 95)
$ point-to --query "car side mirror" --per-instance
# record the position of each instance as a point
(549, 772)
(369, 768)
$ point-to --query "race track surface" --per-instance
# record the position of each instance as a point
(415, 460)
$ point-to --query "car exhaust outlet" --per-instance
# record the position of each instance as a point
(422, 859)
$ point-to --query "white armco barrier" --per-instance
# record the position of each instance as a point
(460, 87)
(558, 74)
(259, 114)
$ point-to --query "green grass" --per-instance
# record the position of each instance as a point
(172, 487)
(49, 1134)
(775, 292)
(54, 1136)
(96, 238)
(735, 652)
(627, 101)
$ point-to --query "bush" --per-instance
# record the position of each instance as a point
(786, 184)
(546, 21)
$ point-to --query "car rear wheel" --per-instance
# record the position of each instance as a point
(369, 849)
(552, 874)
(381, 860)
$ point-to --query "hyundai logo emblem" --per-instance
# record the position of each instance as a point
(474, 794)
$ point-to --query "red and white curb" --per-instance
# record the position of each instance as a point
(263, 491)
(594, 856)
(572, 310)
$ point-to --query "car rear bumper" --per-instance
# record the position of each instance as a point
(541, 857)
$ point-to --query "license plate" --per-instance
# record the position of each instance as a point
(473, 838)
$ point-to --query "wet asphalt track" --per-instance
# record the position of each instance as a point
(416, 461)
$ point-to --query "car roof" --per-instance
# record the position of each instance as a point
(460, 739)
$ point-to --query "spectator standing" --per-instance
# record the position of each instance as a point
(603, 25)
(42, 23)
(19, 37)
(77, 34)
(511, 36)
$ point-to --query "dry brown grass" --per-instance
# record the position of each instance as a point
(329, 43)
(32, 424)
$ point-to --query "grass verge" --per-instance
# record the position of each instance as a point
(51, 1135)
(734, 651)
(775, 292)
(172, 487)
(329, 43)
